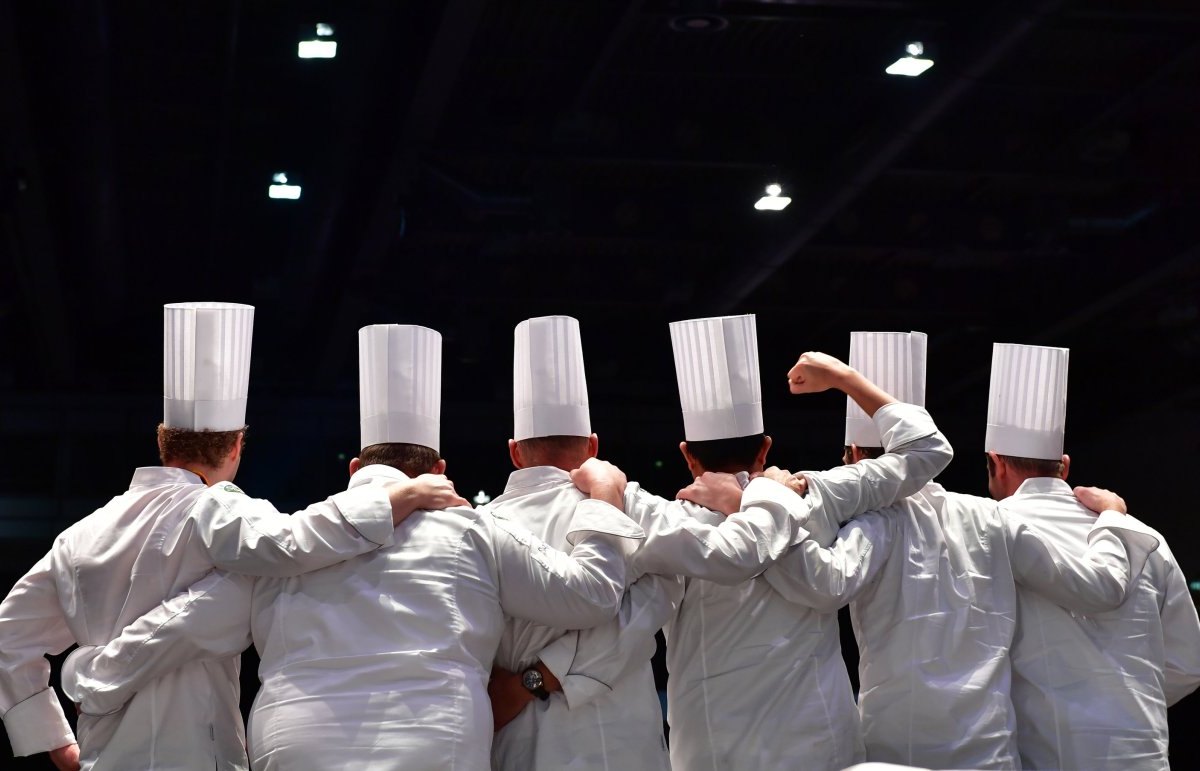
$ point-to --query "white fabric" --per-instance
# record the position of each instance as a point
(145, 545)
(895, 361)
(1092, 690)
(399, 385)
(380, 662)
(1027, 401)
(757, 681)
(608, 713)
(716, 364)
(206, 365)
(549, 383)
(934, 610)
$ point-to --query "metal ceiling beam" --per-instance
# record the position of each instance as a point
(27, 227)
(612, 44)
(994, 40)
(447, 54)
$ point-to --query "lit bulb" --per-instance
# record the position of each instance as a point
(774, 189)
(280, 178)
(915, 49)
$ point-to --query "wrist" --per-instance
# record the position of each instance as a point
(549, 679)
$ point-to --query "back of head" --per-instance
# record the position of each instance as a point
(564, 452)
(1030, 468)
(740, 453)
(184, 447)
(412, 459)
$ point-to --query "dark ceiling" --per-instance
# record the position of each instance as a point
(467, 164)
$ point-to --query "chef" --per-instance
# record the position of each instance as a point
(174, 524)
(382, 662)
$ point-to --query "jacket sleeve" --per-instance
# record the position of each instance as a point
(31, 625)
(1095, 581)
(209, 620)
(569, 591)
(916, 453)
(826, 578)
(1181, 634)
(248, 535)
(588, 662)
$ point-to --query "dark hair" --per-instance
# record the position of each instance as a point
(730, 455)
(561, 451)
(867, 452)
(1033, 467)
(412, 459)
(208, 448)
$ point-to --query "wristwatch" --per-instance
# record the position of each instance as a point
(533, 682)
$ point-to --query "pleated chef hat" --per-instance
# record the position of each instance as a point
(549, 385)
(716, 363)
(895, 361)
(1027, 404)
(400, 384)
(206, 365)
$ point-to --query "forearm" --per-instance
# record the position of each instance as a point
(828, 578)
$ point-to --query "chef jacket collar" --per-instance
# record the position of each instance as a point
(155, 476)
(524, 479)
(1044, 486)
(375, 472)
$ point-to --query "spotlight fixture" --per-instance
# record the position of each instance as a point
(773, 200)
(910, 65)
(281, 189)
(323, 47)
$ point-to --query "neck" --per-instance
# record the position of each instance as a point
(209, 475)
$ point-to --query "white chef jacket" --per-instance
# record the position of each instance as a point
(934, 609)
(145, 545)
(608, 715)
(757, 681)
(1091, 690)
(380, 662)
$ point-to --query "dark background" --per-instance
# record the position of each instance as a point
(468, 164)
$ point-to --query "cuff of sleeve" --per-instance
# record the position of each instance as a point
(1140, 541)
(368, 510)
(594, 517)
(37, 725)
(558, 657)
(762, 490)
(899, 423)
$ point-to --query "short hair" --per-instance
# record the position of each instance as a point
(412, 459)
(729, 455)
(867, 452)
(208, 448)
(1033, 467)
(558, 450)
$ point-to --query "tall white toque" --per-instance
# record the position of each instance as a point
(549, 385)
(1027, 404)
(400, 385)
(894, 361)
(206, 365)
(716, 363)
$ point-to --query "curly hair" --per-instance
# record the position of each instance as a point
(209, 448)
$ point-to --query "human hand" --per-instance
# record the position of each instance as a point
(66, 758)
(428, 491)
(1098, 499)
(816, 372)
(794, 482)
(601, 480)
(508, 695)
(715, 491)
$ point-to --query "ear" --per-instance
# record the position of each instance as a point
(690, 460)
(439, 467)
(761, 459)
(593, 446)
(236, 452)
(1066, 461)
(355, 465)
(514, 453)
(998, 466)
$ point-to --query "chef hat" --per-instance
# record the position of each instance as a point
(1027, 404)
(206, 365)
(549, 386)
(894, 361)
(716, 363)
(399, 384)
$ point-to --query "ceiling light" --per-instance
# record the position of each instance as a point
(481, 498)
(317, 49)
(281, 188)
(911, 65)
(773, 201)
(326, 30)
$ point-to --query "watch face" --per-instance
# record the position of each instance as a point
(532, 679)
